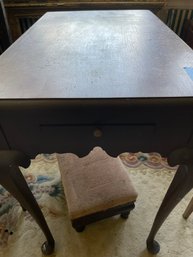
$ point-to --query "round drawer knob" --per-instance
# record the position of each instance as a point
(98, 133)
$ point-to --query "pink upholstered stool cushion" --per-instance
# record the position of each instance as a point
(94, 183)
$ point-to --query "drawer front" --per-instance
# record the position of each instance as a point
(80, 139)
(112, 138)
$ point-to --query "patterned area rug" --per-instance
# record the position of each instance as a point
(113, 237)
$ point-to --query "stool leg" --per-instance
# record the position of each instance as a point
(79, 228)
(13, 181)
(188, 210)
(125, 215)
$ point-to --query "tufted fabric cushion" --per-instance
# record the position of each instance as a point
(94, 183)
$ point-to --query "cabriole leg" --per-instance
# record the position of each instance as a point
(13, 181)
(180, 186)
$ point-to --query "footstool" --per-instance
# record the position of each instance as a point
(96, 186)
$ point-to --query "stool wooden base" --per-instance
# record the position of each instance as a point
(124, 211)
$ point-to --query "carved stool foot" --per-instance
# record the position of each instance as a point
(125, 215)
(79, 228)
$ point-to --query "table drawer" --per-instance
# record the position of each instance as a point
(82, 138)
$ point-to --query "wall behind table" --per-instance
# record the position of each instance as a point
(22, 14)
(5, 40)
(175, 13)
(178, 15)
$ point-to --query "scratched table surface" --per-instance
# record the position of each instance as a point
(97, 54)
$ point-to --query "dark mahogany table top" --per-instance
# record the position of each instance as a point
(97, 54)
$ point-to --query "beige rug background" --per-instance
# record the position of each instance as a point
(113, 237)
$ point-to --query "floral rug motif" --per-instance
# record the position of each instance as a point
(151, 175)
(151, 160)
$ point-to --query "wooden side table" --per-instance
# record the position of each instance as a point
(114, 79)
